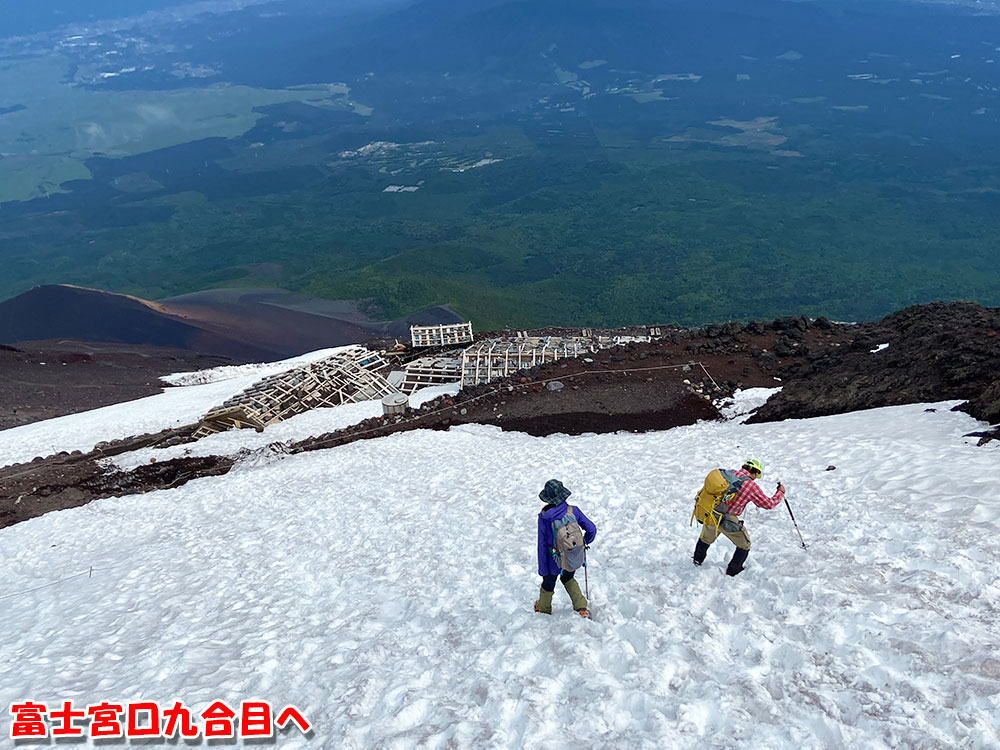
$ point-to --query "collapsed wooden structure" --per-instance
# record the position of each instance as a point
(438, 369)
(355, 374)
(359, 374)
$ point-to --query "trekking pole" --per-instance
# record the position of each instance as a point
(793, 521)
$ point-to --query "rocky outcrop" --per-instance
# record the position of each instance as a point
(933, 352)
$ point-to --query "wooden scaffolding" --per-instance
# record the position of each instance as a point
(439, 370)
(493, 359)
(348, 376)
(443, 335)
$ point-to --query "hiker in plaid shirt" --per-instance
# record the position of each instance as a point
(731, 526)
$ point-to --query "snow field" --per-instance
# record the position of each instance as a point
(385, 588)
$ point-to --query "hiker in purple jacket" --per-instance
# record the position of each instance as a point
(554, 496)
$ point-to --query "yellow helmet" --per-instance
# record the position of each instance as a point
(753, 463)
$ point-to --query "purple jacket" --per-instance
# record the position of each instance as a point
(547, 565)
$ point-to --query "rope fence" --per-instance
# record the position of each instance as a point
(89, 573)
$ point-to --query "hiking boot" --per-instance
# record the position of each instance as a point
(735, 566)
(700, 550)
(543, 603)
(584, 613)
(575, 595)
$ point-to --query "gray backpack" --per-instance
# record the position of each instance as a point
(567, 538)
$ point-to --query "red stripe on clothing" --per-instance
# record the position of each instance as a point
(751, 493)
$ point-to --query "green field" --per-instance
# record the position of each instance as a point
(554, 236)
(62, 125)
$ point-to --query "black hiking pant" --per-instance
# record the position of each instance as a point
(549, 582)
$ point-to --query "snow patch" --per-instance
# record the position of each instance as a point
(745, 401)
(259, 369)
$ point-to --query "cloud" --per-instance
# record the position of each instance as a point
(92, 135)
(155, 114)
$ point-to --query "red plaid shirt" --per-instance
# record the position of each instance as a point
(751, 493)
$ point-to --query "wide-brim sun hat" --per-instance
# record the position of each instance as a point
(553, 493)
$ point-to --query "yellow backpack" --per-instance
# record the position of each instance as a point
(719, 487)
